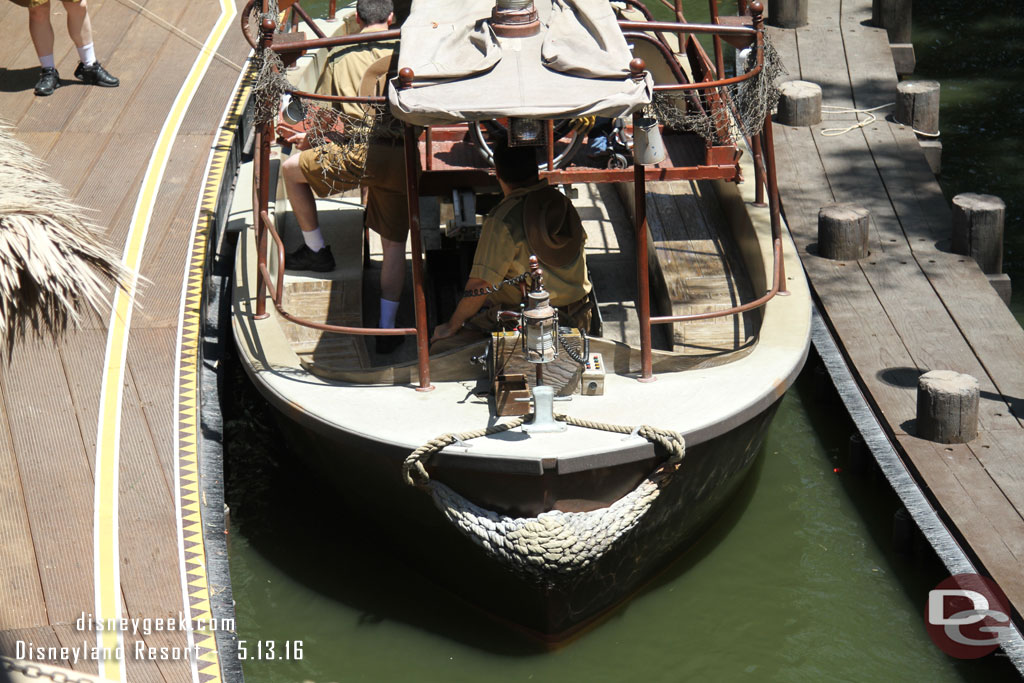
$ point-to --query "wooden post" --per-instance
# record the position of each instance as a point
(843, 232)
(903, 531)
(894, 17)
(978, 229)
(917, 106)
(858, 455)
(787, 13)
(799, 103)
(947, 406)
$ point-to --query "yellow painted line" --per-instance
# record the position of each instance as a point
(106, 560)
(191, 544)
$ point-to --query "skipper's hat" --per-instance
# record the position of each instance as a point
(554, 231)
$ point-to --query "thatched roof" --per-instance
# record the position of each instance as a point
(53, 263)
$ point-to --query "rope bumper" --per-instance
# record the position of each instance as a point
(552, 542)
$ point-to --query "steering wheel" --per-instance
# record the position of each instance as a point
(568, 140)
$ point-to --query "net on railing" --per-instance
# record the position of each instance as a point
(751, 100)
(338, 137)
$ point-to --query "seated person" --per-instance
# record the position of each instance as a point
(330, 168)
(533, 219)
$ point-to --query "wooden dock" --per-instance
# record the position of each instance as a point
(912, 305)
(101, 512)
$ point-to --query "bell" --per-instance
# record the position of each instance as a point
(648, 147)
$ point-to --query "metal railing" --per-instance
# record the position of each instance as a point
(762, 145)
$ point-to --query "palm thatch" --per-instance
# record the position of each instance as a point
(52, 261)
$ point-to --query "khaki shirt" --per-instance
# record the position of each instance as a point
(345, 70)
(503, 253)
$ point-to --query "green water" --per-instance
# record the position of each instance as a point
(798, 580)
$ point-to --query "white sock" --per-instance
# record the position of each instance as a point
(388, 311)
(314, 239)
(47, 62)
(87, 55)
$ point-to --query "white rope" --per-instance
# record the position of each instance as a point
(832, 109)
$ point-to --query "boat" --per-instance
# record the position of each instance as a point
(545, 497)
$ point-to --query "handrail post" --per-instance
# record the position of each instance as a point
(412, 152)
(643, 298)
(332, 10)
(757, 141)
(755, 145)
(773, 197)
(717, 40)
(261, 198)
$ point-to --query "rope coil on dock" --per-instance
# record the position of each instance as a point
(554, 541)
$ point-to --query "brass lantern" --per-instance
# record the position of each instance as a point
(540, 321)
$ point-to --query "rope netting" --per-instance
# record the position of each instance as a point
(350, 127)
(710, 112)
(553, 542)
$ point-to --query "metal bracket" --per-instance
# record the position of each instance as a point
(544, 411)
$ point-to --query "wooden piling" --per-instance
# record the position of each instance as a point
(947, 406)
(895, 17)
(903, 531)
(787, 13)
(978, 229)
(799, 103)
(917, 106)
(843, 231)
(858, 455)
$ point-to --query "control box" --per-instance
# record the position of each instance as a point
(592, 381)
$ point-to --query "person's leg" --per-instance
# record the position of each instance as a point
(79, 26)
(314, 255)
(80, 29)
(392, 272)
(300, 194)
(41, 31)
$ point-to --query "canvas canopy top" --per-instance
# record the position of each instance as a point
(578, 65)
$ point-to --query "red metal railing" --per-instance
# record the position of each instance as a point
(764, 162)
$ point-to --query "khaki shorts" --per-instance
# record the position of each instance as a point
(36, 3)
(387, 205)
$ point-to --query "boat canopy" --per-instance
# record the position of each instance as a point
(577, 65)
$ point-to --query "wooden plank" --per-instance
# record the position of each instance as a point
(999, 452)
(55, 473)
(20, 591)
(988, 326)
(36, 637)
(784, 42)
(861, 323)
(38, 143)
(71, 159)
(152, 361)
(975, 506)
(821, 62)
(144, 669)
(921, 320)
(133, 55)
(69, 636)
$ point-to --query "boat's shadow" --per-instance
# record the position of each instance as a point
(289, 517)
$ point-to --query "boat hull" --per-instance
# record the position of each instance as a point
(553, 606)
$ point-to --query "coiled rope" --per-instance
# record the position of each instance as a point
(554, 541)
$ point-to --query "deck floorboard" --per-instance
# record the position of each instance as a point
(911, 305)
(97, 143)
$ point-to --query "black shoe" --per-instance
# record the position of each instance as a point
(384, 344)
(94, 74)
(49, 80)
(305, 258)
